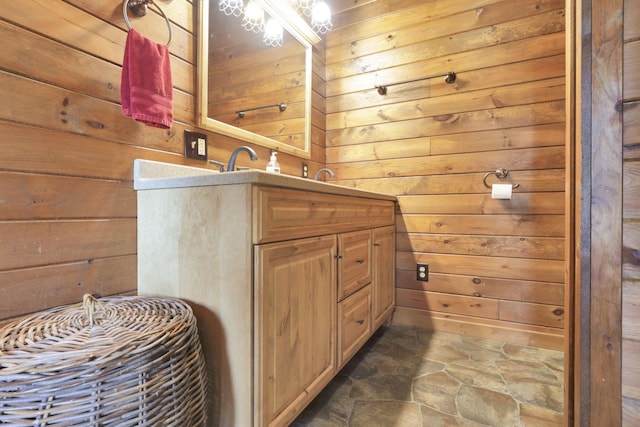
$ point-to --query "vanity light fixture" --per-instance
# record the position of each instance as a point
(231, 7)
(316, 11)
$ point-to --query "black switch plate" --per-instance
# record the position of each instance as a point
(195, 145)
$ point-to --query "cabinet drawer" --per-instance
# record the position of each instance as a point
(354, 324)
(284, 214)
(354, 262)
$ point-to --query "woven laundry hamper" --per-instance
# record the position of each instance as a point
(118, 361)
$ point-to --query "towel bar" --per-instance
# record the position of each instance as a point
(281, 106)
(139, 8)
(449, 77)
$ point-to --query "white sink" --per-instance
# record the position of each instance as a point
(152, 175)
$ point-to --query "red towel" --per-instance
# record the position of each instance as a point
(146, 90)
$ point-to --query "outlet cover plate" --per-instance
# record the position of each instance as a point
(422, 272)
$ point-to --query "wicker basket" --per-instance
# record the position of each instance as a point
(122, 361)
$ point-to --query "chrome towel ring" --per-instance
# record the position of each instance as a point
(139, 8)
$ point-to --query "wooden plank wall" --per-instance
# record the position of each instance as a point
(631, 216)
(496, 266)
(604, 210)
(67, 207)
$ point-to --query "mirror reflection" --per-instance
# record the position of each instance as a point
(250, 89)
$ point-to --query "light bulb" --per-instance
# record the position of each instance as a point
(273, 33)
(253, 19)
(321, 17)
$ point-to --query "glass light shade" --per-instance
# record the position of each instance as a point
(321, 17)
(253, 19)
(304, 6)
(231, 7)
(273, 33)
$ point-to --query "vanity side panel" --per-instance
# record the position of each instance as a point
(194, 244)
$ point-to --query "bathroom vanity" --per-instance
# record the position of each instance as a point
(288, 278)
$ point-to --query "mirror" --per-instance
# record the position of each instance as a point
(249, 90)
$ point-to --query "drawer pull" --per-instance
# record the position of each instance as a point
(360, 322)
(360, 261)
(377, 244)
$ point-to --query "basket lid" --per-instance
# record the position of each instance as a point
(91, 332)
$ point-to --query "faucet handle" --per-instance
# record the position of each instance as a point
(219, 164)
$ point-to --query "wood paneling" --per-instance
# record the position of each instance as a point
(503, 289)
(40, 288)
(629, 367)
(493, 263)
(508, 225)
(67, 206)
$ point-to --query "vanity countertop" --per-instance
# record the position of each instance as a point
(152, 175)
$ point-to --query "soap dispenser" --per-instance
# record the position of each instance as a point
(273, 165)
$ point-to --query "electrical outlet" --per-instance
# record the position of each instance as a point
(195, 145)
(422, 272)
(305, 170)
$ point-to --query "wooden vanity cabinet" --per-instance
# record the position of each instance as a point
(283, 282)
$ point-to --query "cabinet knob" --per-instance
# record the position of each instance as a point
(338, 256)
(376, 244)
(360, 261)
(360, 322)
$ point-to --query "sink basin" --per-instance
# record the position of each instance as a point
(152, 175)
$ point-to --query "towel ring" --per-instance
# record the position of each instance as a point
(139, 7)
(500, 174)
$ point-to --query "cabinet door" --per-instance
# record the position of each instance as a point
(295, 312)
(354, 262)
(384, 288)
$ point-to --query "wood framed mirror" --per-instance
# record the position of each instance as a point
(252, 91)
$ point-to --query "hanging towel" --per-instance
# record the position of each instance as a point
(146, 90)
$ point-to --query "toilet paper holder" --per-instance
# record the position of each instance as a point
(500, 174)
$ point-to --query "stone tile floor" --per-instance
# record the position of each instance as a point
(405, 377)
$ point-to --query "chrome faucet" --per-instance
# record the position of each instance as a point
(232, 160)
(327, 170)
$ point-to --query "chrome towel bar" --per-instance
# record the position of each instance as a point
(449, 77)
(281, 106)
